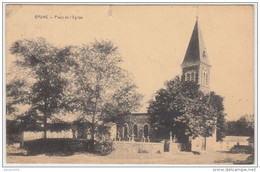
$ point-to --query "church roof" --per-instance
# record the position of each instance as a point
(196, 51)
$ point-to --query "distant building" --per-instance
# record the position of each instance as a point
(230, 141)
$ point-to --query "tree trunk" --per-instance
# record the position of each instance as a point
(205, 143)
(74, 134)
(92, 133)
(93, 128)
(94, 114)
(45, 128)
(22, 140)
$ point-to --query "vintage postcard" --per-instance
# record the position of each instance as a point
(162, 84)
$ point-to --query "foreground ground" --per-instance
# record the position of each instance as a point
(14, 155)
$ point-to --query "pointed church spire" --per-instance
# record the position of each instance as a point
(196, 51)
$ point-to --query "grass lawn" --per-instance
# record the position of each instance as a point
(15, 155)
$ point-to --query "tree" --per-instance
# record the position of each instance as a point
(216, 102)
(42, 89)
(168, 110)
(101, 90)
(206, 116)
(244, 126)
(181, 108)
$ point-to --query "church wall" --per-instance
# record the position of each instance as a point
(204, 87)
(140, 120)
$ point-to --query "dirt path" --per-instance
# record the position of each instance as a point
(122, 157)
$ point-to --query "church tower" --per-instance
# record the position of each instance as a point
(195, 66)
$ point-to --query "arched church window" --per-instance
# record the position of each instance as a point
(188, 76)
(135, 130)
(146, 131)
(192, 76)
(125, 131)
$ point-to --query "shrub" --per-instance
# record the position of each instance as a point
(13, 132)
(241, 149)
(55, 146)
(142, 151)
(66, 146)
(13, 138)
(103, 148)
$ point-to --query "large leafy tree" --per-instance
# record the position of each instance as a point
(169, 106)
(41, 91)
(216, 101)
(181, 108)
(101, 90)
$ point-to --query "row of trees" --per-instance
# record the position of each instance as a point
(181, 108)
(86, 81)
(244, 126)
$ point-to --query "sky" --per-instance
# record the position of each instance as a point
(152, 41)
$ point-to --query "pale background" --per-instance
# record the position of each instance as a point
(153, 41)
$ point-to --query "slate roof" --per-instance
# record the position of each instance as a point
(196, 51)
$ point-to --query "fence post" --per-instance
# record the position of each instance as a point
(170, 137)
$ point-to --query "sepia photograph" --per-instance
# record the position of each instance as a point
(152, 84)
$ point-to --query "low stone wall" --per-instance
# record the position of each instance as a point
(175, 147)
(198, 144)
(39, 135)
(141, 147)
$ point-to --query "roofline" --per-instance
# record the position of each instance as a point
(194, 64)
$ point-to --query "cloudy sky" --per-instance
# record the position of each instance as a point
(153, 41)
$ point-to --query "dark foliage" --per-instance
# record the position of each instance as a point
(142, 151)
(241, 127)
(59, 126)
(102, 91)
(55, 146)
(65, 147)
(43, 89)
(241, 149)
(103, 148)
(13, 132)
(181, 108)
(87, 80)
(217, 102)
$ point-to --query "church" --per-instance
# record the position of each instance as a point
(195, 68)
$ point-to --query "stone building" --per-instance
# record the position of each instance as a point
(136, 128)
(195, 68)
